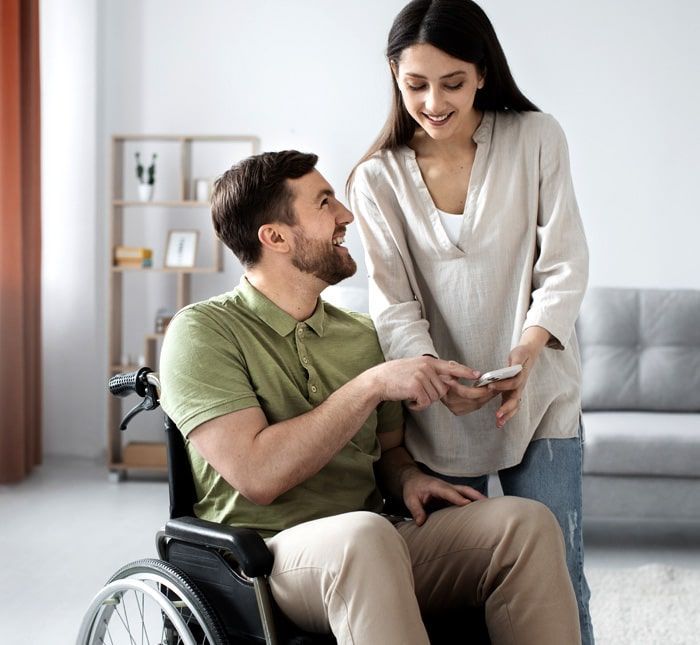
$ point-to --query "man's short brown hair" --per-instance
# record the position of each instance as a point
(254, 192)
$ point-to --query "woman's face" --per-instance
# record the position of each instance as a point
(437, 89)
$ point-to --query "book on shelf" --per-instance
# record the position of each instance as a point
(133, 256)
(134, 264)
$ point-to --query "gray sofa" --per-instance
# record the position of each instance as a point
(640, 351)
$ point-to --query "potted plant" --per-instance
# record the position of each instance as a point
(146, 177)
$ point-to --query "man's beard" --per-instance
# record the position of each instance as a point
(315, 257)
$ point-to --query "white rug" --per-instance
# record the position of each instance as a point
(650, 605)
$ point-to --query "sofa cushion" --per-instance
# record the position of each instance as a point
(642, 443)
(629, 499)
(640, 349)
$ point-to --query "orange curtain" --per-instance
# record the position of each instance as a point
(20, 240)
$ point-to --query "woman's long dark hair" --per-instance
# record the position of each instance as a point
(461, 29)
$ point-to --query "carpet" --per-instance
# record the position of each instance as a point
(650, 605)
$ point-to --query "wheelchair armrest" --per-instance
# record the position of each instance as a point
(246, 545)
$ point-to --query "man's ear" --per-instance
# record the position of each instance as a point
(273, 237)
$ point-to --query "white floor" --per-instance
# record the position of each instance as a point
(66, 529)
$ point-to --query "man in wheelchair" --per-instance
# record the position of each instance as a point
(289, 410)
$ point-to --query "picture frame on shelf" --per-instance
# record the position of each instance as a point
(181, 249)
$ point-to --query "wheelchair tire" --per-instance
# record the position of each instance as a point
(150, 601)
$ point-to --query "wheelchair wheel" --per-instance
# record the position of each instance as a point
(150, 601)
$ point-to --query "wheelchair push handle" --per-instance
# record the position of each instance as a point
(124, 384)
(143, 382)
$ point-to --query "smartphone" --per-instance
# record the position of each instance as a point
(498, 375)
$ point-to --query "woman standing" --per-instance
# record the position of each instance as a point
(476, 253)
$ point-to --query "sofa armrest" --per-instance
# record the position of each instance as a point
(245, 545)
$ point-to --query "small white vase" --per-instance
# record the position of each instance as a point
(145, 192)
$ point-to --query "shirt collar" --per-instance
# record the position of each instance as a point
(276, 318)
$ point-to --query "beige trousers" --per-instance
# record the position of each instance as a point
(368, 581)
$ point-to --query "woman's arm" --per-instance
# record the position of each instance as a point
(560, 273)
(395, 305)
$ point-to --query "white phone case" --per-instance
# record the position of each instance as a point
(498, 375)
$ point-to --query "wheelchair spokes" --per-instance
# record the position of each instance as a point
(149, 603)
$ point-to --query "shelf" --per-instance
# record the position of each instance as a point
(213, 138)
(124, 468)
(164, 270)
(162, 203)
(142, 456)
(183, 160)
(123, 368)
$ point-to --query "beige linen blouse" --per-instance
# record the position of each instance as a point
(521, 260)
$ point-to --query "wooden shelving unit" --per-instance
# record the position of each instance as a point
(123, 452)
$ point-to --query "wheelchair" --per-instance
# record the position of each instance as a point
(209, 585)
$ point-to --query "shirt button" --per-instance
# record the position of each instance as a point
(313, 389)
(305, 360)
(300, 331)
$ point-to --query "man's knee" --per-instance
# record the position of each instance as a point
(534, 514)
(348, 550)
(511, 518)
(359, 535)
(339, 538)
(370, 533)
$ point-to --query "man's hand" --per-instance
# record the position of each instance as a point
(421, 492)
(461, 399)
(421, 381)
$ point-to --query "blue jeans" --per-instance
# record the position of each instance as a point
(550, 472)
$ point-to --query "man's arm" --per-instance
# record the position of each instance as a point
(263, 461)
(401, 478)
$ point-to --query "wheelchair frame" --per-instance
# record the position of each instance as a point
(212, 573)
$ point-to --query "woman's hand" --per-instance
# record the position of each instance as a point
(511, 390)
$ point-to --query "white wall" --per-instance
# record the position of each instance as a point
(74, 358)
(620, 76)
(623, 79)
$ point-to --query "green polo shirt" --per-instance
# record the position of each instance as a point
(239, 350)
